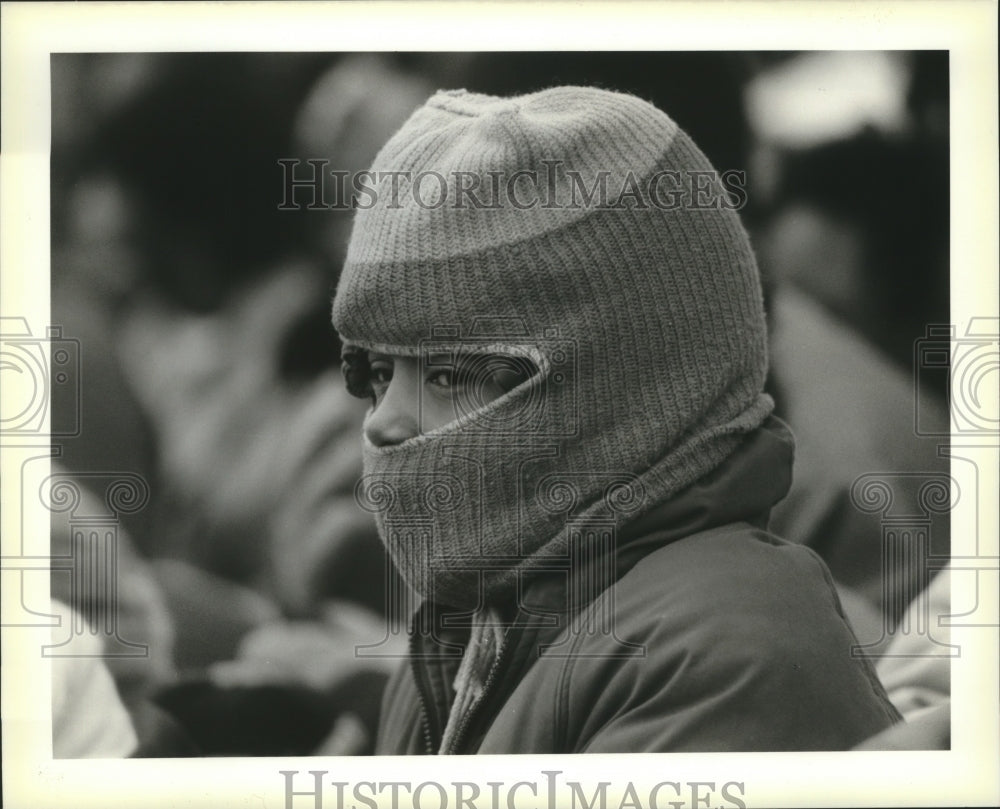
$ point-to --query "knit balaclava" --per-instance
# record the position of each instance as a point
(595, 243)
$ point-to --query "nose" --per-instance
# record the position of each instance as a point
(394, 418)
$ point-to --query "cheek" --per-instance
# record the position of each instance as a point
(436, 412)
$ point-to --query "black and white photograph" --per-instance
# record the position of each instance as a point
(620, 418)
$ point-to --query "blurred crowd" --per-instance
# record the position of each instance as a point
(209, 366)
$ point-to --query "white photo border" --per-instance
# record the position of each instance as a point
(966, 775)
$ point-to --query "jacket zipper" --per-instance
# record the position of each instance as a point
(491, 679)
(425, 720)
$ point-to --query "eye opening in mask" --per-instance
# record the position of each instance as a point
(470, 380)
(493, 388)
(484, 377)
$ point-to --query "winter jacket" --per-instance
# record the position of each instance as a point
(712, 635)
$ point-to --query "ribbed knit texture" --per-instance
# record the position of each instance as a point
(647, 324)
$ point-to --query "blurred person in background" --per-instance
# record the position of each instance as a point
(271, 571)
(852, 163)
(89, 719)
(98, 266)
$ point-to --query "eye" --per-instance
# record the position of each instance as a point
(443, 379)
(381, 371)
(379, 377)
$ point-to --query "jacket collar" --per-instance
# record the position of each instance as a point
(745, 488)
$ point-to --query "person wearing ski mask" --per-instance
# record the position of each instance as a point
(569, 454)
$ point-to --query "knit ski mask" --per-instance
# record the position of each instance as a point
(597, 244)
